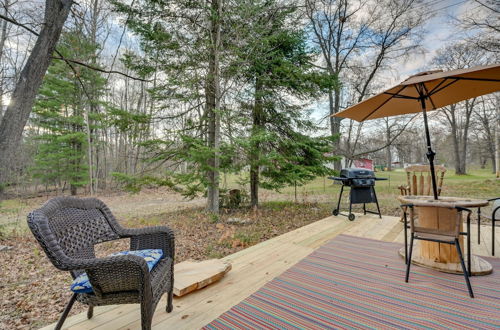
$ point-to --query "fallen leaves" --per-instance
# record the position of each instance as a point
(33, 292)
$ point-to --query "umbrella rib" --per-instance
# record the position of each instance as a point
(478, 79)
(434, 91)
(455, 79)
(401, 96)
(380, 106)
(429, 96)
(438, 85)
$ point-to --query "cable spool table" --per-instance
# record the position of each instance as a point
(441, 214)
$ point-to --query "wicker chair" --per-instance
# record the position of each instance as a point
(68, 228)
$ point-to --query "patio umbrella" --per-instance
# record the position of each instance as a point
(424, 92)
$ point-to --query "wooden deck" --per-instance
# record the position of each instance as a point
(252, 268)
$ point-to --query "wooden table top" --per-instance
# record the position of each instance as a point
(442, 201)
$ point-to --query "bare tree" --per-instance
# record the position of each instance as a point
(482, 24)
(485, 114)
(340, 34)
(497, 139)
(458, 116)
(213, 105)
(359, 40)
(3, 38)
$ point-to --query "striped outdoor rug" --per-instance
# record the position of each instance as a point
(354, 282)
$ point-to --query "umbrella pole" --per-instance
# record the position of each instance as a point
(430, 152)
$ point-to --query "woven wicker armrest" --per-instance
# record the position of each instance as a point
(158, 237)
(114, 273)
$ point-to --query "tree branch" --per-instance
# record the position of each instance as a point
(61, 57)
(387, 144)
(96, 68)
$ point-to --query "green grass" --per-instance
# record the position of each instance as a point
(479, 183)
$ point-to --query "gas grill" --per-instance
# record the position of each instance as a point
(362, 184)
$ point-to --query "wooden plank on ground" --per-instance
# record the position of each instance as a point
(193, 275)
(392, 235)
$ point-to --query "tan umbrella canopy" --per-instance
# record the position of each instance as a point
(427, 91)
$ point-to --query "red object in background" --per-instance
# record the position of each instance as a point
(364, 163)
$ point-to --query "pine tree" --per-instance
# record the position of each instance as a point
(279, 72)
(60, 114)
(266, 64)
(181, 43)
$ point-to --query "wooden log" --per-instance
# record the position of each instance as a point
(421, 184)
(414, 185)
(429, 184)
(444, 220)
(193, 275)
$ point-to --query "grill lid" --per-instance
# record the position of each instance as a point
(356, 173)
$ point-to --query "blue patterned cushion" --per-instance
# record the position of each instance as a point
(81, 284)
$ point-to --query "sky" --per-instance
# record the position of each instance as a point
(440, 30)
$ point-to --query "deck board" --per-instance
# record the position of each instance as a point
(251, 269)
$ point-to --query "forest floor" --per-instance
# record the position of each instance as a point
(33, 294)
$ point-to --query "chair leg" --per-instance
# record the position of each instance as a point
(376, 202)
(90, 312)
(478, 226)
(469, 255)
(466, 273)
(170, 305)
(350, 201)
(408, 263)
(146, 315)
(405, 223)
(66, 312)
(493, 236)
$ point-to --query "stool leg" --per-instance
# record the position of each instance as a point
(406, 236)
(350, 201)
(408, 263)
(376, 202)
(466, 276)
(478, 226)
(493, 235)
(469, 256)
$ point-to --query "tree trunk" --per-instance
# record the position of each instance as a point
(23, 97)
(89, 150)
(213, 106)
(3, 38)
(497, 140)
(388, 153)
(334, 105)
(77, 147)
(92, 151)
(489, 131)
(456, 143)
(255, 148)
(469, 107)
